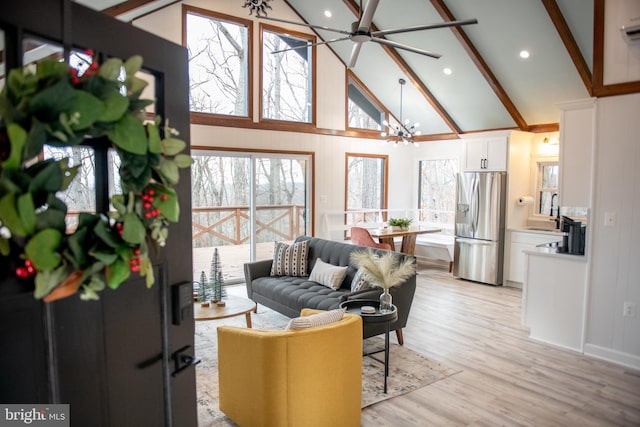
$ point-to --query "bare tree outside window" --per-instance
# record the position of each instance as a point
(362, 111)
(437, 192)
(286, 78)
(358, 118)
(218, 65)
(366, 181)
(222, 210)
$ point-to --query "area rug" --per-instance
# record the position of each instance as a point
(408, 370)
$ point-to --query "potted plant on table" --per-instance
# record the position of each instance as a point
(384, 271)
(398, 224)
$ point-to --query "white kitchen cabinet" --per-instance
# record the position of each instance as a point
(486, 154)
(520, 242)
(554, 298)
(577, 121)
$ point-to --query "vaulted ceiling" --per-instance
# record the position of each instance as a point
(490, 86)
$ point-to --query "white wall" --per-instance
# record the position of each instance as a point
(615, 270)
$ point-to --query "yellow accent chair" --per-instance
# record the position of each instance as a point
(304, 377)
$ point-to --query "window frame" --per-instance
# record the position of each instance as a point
(385, 185)
(351, 78)
(295, 34)
(536, 183)
(215, 118)
(447, 227)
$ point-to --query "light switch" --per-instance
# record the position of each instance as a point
(609, 219)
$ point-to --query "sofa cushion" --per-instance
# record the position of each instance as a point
(290, 260)
(327, 275)
(298, 293)
(318, 319)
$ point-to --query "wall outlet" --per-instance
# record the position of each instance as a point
(629, 309)
(609, 219)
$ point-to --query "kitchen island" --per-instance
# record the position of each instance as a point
(554, 297)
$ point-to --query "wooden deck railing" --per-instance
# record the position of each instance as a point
(231, 223)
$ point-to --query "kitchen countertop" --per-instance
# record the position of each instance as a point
(554, 236)
(551, 253)
(539, 230)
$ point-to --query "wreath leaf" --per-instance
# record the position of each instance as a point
(128, 134)
(42, 249)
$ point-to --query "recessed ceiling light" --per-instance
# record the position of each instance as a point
(524, 54)
(328, 13)
(447, 71)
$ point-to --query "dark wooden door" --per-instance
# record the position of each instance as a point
(111, 360)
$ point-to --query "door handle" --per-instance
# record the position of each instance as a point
(182, 361)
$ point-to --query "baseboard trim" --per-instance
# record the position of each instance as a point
(613, 356)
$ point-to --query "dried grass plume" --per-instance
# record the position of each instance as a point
(383, 270)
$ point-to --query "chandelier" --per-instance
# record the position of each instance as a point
(401, 132)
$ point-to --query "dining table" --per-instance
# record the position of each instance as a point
(409, 235)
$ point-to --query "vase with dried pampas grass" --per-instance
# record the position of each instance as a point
(385, 271)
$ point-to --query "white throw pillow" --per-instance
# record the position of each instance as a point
(328, 275)
(290, 260)
(360, 281)
(318, 319)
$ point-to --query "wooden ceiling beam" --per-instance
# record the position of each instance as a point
(570, 44)
(484, 69)
(125, 7)
(415, 80)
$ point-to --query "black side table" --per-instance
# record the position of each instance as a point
(354, 306)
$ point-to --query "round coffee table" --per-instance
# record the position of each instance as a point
(355, 306)
(234, 306)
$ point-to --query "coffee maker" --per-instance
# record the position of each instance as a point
(573, 240)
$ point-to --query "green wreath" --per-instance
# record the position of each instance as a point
(56, 106)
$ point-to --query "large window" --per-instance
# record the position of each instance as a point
(244, 202)
(219, 50)
(287, 76)
(366, 192)
(437, 192)
(362, 111)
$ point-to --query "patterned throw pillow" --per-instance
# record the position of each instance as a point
(318, 319)
(290, 260)
(327, 275)
(359, 281)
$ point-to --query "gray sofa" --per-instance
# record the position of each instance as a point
(289, 295)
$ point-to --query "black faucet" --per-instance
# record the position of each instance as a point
(557, 218)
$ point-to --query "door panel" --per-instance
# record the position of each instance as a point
(109, 359)
(487, 219)
(477, 260)
(465, 209)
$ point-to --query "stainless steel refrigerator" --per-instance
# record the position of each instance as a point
(480, 219)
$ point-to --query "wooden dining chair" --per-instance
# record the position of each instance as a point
(360, 236)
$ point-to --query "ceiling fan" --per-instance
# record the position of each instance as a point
(361, 33)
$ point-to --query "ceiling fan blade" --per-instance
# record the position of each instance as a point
(319, 27)
(405, 47)
(367, 15)
(355, 51)
(310, 45)
(424, 27)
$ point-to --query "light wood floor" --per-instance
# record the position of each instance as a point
(507, 379)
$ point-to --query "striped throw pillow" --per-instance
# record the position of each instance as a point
(327, 275)
(290, 260)
(319, 319)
